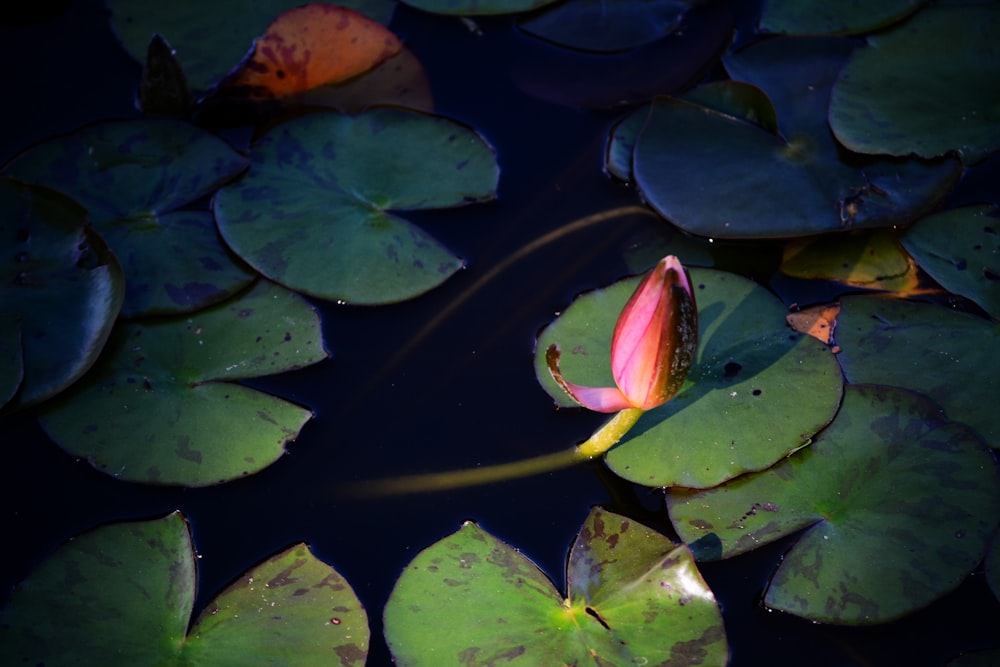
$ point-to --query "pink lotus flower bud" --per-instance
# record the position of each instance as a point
(653, 346)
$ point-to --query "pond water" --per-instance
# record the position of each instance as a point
(398, 397)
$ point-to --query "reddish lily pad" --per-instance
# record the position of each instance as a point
(897, 504)
(317, 211)
(634, 597)
(211, 39)
(163, 406)
(948, 355)
(757, 391)
(61, 291)
(960, 249)
(130, 588)
(312, 45)
(132, 176)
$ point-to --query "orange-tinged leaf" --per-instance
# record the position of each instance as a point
(312, 45)
(817, 321)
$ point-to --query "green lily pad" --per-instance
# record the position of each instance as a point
(606, 25)
(871, 259)
(833, 17)
(162, 406)
(61, 282)
(130, 589)
(477, 7)
(130, 176)
(898, 504)
(634, 597)
(733, 98)
(11, 362)
(927, 87)
(948, 355)
(757, 391)
(210, 40)
(716, 175)
(960, 249)
(312, 213)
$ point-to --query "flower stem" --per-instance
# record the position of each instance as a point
(609, 434)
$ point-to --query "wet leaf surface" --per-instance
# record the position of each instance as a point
(948, 355)
(317, 211)
(211, 39)
(757, 390)
(291, 609)
(960, 249)
(60, 289)
(132, 176)
(606, 25)
(634, 598)
(312, 45)
(163, 405)
(926, 86)
(897, 505)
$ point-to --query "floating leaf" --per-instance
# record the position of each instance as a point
(757, 391)
(62, 284)
(873, 260)
(719, 176)
(130, 589)
(948, 355)
(818, 321)
(313, 45)
(662, 67)
(634, 598)
(211, 39)
(131, 176)
(896, 501)
(312, 213)
(162, 406)
(833, 17)
(476, 7)
(927, 87)
(606, 25)
(960, 249)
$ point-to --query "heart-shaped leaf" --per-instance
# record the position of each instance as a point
(898, 504)
(61, 291)
(947, 355)
(926, 86)
(211, 39)
(757, 390)
(634, 598)
(130, 589)
(162, 406)
(131, 176)
(312, 213)
(720, 176)
(960, 249)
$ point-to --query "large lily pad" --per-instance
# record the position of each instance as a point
(131, 176)
(60, 292)
(211, 39)
(606, 25)
(870, 259)
(634, 597)
(833, 17)
(927, 86)
(130, 590)
(717, 175)
(162, 405)
(898, 505)
(312, 213)
(960, 249)
(757, 391)
(948, 355)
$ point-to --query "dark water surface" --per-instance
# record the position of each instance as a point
(461, 396)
